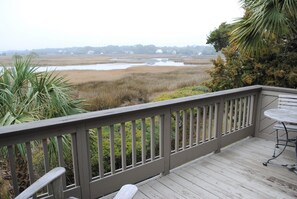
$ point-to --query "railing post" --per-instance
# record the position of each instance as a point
(83, 161)
(257, 113)
(219, 107)
(166, 125)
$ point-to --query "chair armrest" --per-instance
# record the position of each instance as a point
(46, 179)
(126, 192)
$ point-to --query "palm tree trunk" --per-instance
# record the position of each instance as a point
(6, 190)
(6, 187)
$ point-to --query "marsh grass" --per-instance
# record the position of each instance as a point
(137, 88)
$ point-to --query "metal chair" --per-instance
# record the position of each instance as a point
(286, 102)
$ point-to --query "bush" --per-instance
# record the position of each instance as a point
(183, 92)
(273, 69)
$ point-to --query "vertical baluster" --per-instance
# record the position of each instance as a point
(251, 110)
(143, 147)
(60, 151)
(45, 152)
(216, 119)
(236, 114)
(231, 115)
(133, 143)
(210, 122)
(219, 123)
(184, 129)
(191, 127)
(100, 152)
(198, 126)
(157, 136)
(161, 136)
(152, 138)
(61, 159)
(123, 145)
(30, 164)
(244, 111)
(74, 158)
(111, 142)
(177, 119)
(240, 113)
(12, 169)
(204, 124)
(46, 161)
(248, 110)
(226, 116)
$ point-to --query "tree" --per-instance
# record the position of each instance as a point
(219, 38)
(277, 65)
(27, 95)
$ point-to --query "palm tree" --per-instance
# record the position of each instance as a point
(265, 23)
(27, 95)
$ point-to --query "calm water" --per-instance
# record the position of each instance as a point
(112, 66)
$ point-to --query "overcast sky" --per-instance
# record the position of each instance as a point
(31, 24)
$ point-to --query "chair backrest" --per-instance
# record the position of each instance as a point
(287, 102)
(52, 178)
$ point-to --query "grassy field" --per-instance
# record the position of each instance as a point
(134, 85)
(84, 76)
(136, 88)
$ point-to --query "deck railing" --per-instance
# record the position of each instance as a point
(103, 150)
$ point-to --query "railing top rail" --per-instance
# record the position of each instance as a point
(279, 89)
(154, 106)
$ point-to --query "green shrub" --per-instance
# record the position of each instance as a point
(183, 92)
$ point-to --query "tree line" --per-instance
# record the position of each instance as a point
(115, 49)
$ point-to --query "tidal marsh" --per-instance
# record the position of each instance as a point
(136, 88)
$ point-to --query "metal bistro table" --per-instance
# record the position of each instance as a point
(283, 116)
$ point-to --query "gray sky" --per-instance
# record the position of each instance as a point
(31, 24)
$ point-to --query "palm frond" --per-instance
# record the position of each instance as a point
(269, 19)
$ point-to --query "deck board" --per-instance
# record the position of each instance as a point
(235, 172)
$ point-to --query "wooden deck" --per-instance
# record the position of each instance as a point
(236, 172)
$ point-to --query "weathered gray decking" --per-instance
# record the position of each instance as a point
(236, 172)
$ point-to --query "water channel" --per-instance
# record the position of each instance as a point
(113, 66)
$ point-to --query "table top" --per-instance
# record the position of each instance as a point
(282, 115)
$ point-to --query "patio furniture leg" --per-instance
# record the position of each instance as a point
(287, 140)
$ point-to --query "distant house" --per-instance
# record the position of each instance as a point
(129, 52)
(91, 52)
(159, 51)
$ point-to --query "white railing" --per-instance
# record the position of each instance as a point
(103, 150)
